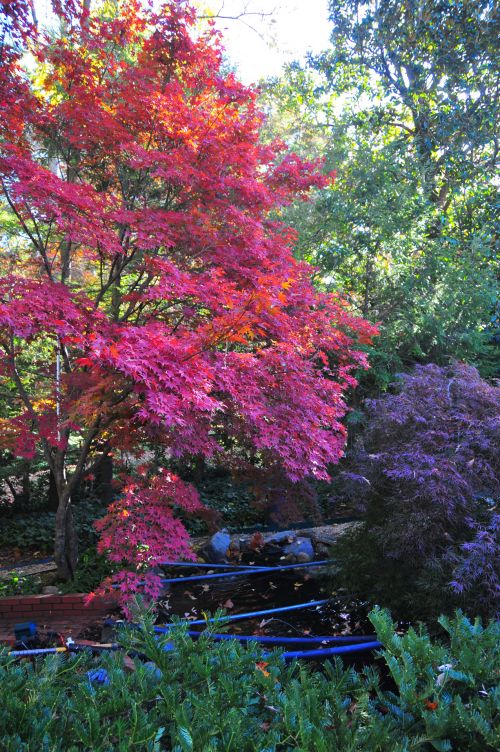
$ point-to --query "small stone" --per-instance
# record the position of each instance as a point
(302, 557)
(301, 547)
(217, 547)
(50, 590)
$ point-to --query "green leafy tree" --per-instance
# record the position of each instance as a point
(405, 106)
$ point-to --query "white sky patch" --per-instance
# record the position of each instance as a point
(258, 46)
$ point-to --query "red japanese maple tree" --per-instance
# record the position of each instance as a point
(148, 262)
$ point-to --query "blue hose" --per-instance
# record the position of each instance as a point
(238, 572)
(239, 617)
(267, 639)
(320, 653)
(325, 652)
(288, 656)
(244, 572)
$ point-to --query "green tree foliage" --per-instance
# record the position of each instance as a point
(405, 107)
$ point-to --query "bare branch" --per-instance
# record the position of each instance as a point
(220, 15)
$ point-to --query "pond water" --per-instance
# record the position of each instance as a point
(341, 616)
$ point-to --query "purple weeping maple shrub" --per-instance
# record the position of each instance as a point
(431, 465)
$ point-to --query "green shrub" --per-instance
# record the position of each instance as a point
(205, 697)
(17, 584)
(232, 501)
(36, 530)
(92, 569)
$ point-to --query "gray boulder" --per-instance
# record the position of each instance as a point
(216, 549)
(301, 550)
(284, 536)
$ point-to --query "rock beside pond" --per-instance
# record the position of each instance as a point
(300, 550)
(285, 536)
(327, 535)
(217, 547)
(290, 546)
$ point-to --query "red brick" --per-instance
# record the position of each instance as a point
(74, 598)
(29, 601)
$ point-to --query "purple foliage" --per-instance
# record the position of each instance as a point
(432, 456)
(479, 567)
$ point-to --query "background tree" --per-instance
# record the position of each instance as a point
(405, 105)
(156, 301)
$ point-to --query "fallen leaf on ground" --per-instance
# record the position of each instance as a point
(261, 666)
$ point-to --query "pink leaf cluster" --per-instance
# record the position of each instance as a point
(140, 531)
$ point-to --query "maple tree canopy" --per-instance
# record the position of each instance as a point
(145, 250)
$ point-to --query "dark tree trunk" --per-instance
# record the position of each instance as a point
(26, 485)
(66, 544)
(53, 497)
(104, 479)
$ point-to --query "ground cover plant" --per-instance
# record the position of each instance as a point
(35, 530)
(206, 696)
(13, 583)
(147, 294)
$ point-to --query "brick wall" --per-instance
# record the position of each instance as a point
(67, 613)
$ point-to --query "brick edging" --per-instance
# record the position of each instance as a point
(47, 609)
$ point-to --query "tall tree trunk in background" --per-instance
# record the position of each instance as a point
(104, 479)
(65, 541)
(53, 497)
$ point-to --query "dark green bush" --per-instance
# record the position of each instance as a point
(206, 697)
(92, 569)
(36, 530)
